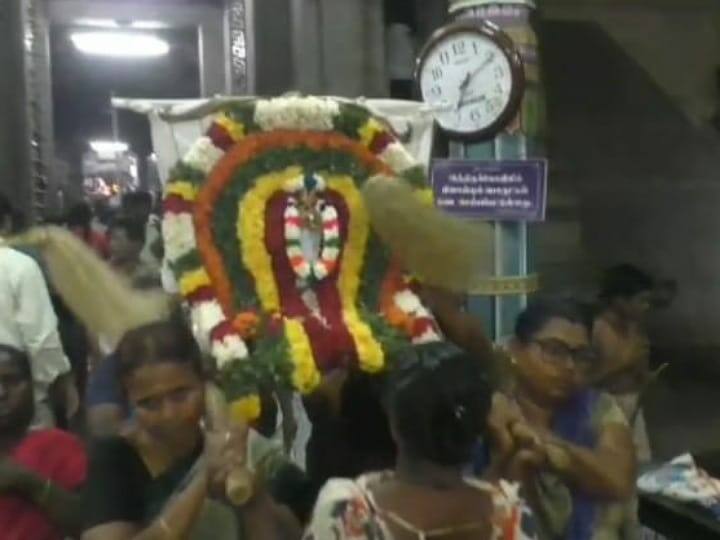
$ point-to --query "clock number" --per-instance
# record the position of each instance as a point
(493, 107)
(437, 73)
(499, 72)
(475, 115)
(458, 48)
(444, 57)
(436, 90)
(476, 47)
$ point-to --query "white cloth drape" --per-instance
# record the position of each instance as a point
(412, 121)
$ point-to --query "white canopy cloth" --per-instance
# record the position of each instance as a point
(176, 124)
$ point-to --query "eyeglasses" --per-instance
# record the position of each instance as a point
(556, 351)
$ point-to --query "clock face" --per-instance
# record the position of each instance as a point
(471, 81)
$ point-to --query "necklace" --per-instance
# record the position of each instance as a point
(299, 218)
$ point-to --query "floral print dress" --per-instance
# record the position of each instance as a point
(346, 510)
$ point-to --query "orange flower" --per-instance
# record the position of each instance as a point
(246, 324)
(395, 281)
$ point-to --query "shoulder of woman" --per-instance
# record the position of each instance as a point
(512, 515)
(608, 412)
(54, 440)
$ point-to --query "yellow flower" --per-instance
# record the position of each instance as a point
(306, 376)
(182, 189)
(370, 353)
(193, 280)
(251, 234)
(425, 196)
(369, 130)
(236, 130)
(245, 410)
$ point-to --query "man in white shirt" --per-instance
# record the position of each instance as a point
(28, 322)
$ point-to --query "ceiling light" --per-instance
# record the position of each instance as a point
(100, 23)
(120, 44)
(148, 25)
(109, 147)
(112, 23)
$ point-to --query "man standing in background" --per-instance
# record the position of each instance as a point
(28, 323)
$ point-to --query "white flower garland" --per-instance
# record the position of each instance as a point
(301, 113)
(329, 254)
(203, 155)
(179, 233)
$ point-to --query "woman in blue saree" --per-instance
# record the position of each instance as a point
(572, 449)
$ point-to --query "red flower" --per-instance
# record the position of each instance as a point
(174, 204)
(220, 137)
(380, 142)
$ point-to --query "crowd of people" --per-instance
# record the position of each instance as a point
(540, 438)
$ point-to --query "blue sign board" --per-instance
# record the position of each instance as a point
(491, 190)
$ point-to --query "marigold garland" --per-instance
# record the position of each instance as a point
(370, 353)
(234, 129)
(245, 409)
(192, 195)
(246, 324)
(192, 281)
(251, 235)
(185, 190)
(371, 129)
(306, 376)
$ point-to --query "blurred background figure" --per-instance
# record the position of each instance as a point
(127, 240)
(627, 295)
(80, 221)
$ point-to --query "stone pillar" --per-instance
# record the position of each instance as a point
(239, 47)
(354, 48)
(522, 139)
(338, 47)
(15, 133)
(272, 30)
(431, 14)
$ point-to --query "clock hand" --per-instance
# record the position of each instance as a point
(470, 76)
(461, 91)
(472, 101)
(446, 106)
(478, 70)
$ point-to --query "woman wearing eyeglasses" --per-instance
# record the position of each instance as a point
(573, 449)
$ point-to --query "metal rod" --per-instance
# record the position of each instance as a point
(498, 252)
(524, 243)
